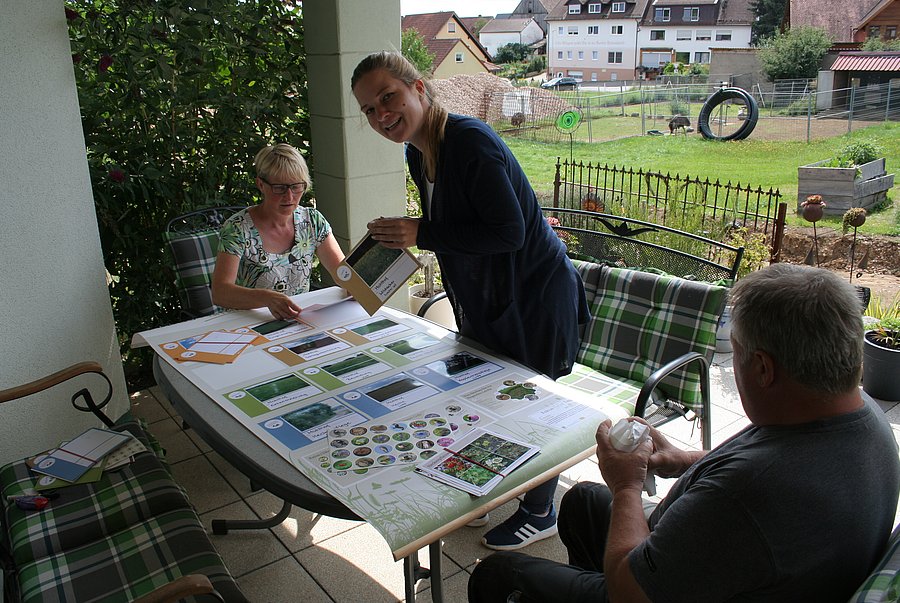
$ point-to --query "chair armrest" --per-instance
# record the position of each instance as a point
(62, 376)
(185, 586)
(662, 372)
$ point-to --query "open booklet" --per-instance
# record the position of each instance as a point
(372, 273)
(478, 461)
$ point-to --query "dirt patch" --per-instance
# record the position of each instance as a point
(878, 256)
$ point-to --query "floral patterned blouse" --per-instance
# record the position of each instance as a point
(287, 272)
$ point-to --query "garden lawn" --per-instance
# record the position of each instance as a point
(762, 164)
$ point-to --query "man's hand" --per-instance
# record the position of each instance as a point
(621, 470)
(668, 460)
(395, 233)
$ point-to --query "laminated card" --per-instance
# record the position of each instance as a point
(372, 273)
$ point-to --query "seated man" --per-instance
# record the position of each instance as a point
(798, 506)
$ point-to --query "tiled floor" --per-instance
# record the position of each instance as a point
(313, 559)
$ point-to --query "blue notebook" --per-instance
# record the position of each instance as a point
(74, 458)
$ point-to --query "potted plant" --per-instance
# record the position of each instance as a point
(881, 359)
(425, 285)
(813, 208)
(856, 177)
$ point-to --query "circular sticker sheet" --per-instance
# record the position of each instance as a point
(375, 445)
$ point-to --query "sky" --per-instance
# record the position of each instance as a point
(463, 8)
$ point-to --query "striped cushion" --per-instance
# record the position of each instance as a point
(640, 321)
(195, 260)
(883, 584)
(128, 564)
(111, 540)
(85, 512)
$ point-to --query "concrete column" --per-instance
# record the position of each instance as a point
(358, 174)
(54, 303)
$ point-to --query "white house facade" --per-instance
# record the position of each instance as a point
(500, 32)
(685, 31)
(608, 40)
(594, 41)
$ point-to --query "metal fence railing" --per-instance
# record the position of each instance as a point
(790, 110)
(710, 209)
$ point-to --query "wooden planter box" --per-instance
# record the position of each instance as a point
(841, 188)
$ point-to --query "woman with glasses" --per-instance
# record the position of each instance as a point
(266, 251)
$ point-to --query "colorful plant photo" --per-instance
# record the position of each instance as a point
(466, 471)
(478, 461)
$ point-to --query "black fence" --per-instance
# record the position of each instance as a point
(722, 212)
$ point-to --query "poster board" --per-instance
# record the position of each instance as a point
(351, 372)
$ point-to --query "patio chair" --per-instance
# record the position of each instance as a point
(649, 343)
(193, 239)
(131, 535)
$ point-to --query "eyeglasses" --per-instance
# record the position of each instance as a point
(298, 188)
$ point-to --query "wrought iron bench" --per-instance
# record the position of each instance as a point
(628, 243)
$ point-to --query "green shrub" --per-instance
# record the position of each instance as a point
(882, 309)
(886, 332)
(855, 154)
(798, 107)
(756, 251)
(176, 99)
(860, 152)
(676, 107)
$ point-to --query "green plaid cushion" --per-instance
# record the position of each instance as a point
(640, 321)
(86, 512)
(883, 584)
(129, 564)
(617, 390)
(195, 259)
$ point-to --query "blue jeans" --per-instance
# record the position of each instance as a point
(583, 525)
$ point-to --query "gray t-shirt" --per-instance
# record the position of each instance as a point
(787, 513)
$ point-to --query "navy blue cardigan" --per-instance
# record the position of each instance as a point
(505, 270)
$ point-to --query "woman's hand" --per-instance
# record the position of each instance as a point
(395, 233)
(281, 306)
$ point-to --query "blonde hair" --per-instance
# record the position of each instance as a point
(435, 116)
(282, 160)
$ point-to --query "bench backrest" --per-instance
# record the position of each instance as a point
(193, 239)
(641, 321)
(630, 243)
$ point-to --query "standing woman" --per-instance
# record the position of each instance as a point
(506, 273)
(266, 251)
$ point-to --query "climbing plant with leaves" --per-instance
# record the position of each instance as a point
(176, 98)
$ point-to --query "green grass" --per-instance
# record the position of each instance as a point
(765, 164)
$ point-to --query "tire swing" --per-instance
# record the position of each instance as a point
(719, 97)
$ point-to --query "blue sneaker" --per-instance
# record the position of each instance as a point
(520, 530)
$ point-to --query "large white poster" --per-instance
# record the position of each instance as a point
(394, 388)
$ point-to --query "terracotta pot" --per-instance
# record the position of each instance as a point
(812, 212)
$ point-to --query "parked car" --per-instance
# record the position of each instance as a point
(561, 83)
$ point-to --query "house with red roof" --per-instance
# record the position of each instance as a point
(880, 22)
(456, 51)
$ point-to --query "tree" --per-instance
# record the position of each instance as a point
(481, 22)
(769, 15)
(876, 44)
(176, 99)
(413, 47)
(796, 53)
(510, 53)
